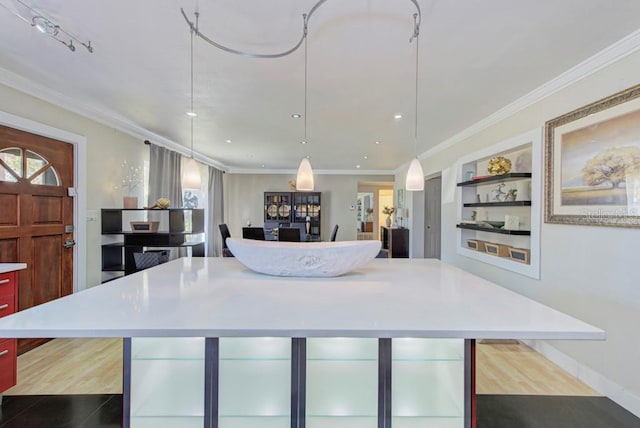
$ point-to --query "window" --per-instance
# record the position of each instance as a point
(18, 164)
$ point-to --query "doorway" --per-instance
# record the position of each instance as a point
(432, 217)
(370, 200)
(37, 219)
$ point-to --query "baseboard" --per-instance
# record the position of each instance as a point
(588, 376)
(498, 341)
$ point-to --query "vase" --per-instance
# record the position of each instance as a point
(130, 202)
(388, 221)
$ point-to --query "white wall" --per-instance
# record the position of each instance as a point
(244, 195)
(586, 271)
(107, 148)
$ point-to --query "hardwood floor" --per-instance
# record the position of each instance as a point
(514, 368)
(94, 366)
(71, 366)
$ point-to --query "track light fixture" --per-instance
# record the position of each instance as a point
(305, 172)
(45, 25)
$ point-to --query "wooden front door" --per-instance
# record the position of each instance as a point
(36, 216)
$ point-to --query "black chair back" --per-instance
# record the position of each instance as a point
(334, 232)
(224, 233)
(290, 234)
(256, 233)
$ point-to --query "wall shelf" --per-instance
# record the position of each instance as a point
(511, 176)
(499, 204)
(494, 230)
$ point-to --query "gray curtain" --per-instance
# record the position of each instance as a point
(165, 176)
(216, 212)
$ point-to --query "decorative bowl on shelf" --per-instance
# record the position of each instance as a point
(303, 259)
(499, 165)
(495, 224)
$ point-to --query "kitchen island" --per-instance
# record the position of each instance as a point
(210, 343)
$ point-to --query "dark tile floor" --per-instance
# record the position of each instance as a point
(61, 411)
(494, 411)
(543, 411)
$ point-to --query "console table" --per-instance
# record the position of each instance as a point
(209, 343)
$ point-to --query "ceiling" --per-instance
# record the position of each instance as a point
(475, 57)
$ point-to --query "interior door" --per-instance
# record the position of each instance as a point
(432, 216)
(36, 216)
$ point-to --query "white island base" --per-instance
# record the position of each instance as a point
(212, 344)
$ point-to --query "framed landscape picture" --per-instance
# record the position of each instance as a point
(592, 163)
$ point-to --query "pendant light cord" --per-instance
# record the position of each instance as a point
(305, 76)
(416, 34)
(191, 108)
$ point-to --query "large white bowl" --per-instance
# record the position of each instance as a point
(306, 259)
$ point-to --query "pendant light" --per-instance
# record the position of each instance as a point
(415, 175)
(191, 174)
(304, 178)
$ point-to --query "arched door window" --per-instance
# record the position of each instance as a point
(18, 164)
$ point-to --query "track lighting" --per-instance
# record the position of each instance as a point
(47, 26)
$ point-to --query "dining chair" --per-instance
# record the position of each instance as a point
(224, 233)
(290, 234)
(334, 232)
(256, 233)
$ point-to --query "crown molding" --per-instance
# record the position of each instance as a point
(315, 171)
(610, 55)
(104, 117)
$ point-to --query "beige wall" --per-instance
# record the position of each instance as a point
(106, 147)
(586, 271)
(244, 195)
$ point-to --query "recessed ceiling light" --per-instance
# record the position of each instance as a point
(296, 116)
(365, 157)
(227, 141)
(192, 114)
(377, 142)
(262, 165)
(397, 116)
(358, 166)
(303, 142)
(308, 157)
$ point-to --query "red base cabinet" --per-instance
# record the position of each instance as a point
(8, 347)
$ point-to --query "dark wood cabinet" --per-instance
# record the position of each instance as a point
(177, 228)
(395, 241)
(293, 209)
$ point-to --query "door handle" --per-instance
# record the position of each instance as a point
(69, 243)
(5, 352)
(4, 281)
(5, 306)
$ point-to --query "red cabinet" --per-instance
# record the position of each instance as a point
(8, 347)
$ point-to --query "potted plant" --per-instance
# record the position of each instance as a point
(132, 178)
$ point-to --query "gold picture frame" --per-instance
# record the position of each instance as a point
(592, 163)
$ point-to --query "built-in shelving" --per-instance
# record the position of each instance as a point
(513, 198)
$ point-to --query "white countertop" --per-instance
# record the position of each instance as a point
(218, 297)
(10, 267)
